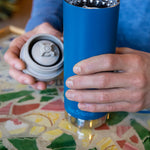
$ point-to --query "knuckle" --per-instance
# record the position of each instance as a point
(93, 108)
(136, 107)
(110, 108)
(14, 41)
(140, 81)
(138, 60)
(139, 106)
(109, 61)
(41, 27)
(20, 79)
(6, 56)
(103, 97)
(138, 96)
(44, 24)
(103, 81)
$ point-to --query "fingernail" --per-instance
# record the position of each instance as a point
(18, 66)
(77, 69)
(69, 83)
(70, 95)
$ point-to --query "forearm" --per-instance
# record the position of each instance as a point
(50, 11)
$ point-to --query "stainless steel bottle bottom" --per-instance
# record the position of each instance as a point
(80, 123)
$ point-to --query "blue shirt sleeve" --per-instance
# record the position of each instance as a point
(46, 11)
(134, 25)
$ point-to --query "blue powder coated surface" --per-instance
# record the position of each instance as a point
(87, 33)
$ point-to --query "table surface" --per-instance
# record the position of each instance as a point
(34, 120)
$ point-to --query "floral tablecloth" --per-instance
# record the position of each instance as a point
(34, 120)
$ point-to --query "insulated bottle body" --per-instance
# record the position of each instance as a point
(88, 32)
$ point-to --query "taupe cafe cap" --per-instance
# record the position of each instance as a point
(43, 55)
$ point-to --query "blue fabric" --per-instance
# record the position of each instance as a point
(133, 27)
(134, 24)
(46, 11)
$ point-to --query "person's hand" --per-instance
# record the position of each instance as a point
(17, 65)
(119, 82)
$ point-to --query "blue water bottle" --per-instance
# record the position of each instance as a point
(90, 29)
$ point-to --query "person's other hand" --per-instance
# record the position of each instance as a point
(17, 65)
(119, 82)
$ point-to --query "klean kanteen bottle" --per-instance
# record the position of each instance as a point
(90, 29)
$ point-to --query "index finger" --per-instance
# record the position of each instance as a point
(105, 62)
